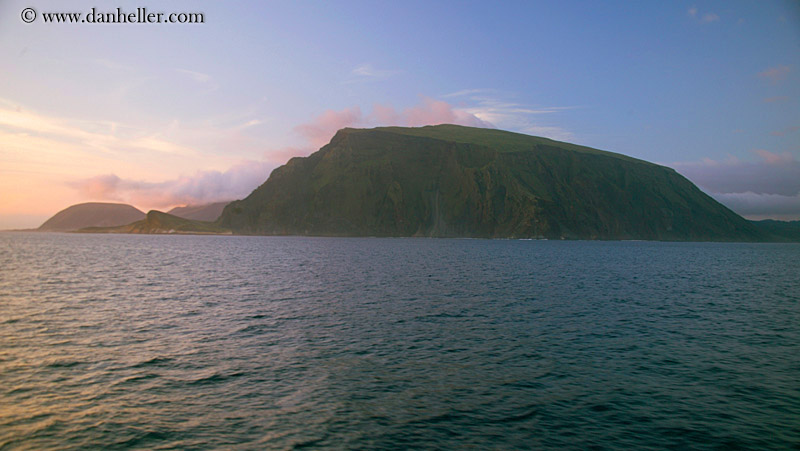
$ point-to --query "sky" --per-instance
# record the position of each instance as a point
(166, 114)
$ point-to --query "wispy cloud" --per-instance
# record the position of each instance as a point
(502, 111)
(101, 136)
(241, 179)
(199, 77)
(367, 71)
(786, 131)
(468, 92)
(776, 99)
(706, 17)
(776, 74)
(427, 112)
(771, 158)
(200, 188)
(201, 80)
(113, 65)
(147, 167)
(210, 185)
(476, 108)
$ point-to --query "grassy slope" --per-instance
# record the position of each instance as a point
(499, 140)
(465, 182)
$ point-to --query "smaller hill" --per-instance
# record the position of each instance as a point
(92, 214)
(157, 222)
(206, 212)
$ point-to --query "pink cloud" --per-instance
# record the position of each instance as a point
(428, 111)
(785, 131)
(704, 18)
(238, 181)
(776, 99)
(319, 131)
(774, 158)
(386, 115)
(434, 112)
(200, 188)
(102, 187)
(775, 74)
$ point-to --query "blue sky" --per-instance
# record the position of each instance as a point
(159, 115)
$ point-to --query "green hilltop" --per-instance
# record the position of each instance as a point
(454, 181)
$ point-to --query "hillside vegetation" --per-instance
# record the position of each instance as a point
(453, 181)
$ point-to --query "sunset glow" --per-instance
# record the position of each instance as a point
(159, 115)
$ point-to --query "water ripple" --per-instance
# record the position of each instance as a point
(181, 342)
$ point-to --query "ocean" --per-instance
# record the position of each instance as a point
(229, 342)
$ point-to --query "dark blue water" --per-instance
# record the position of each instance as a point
(182, 342)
